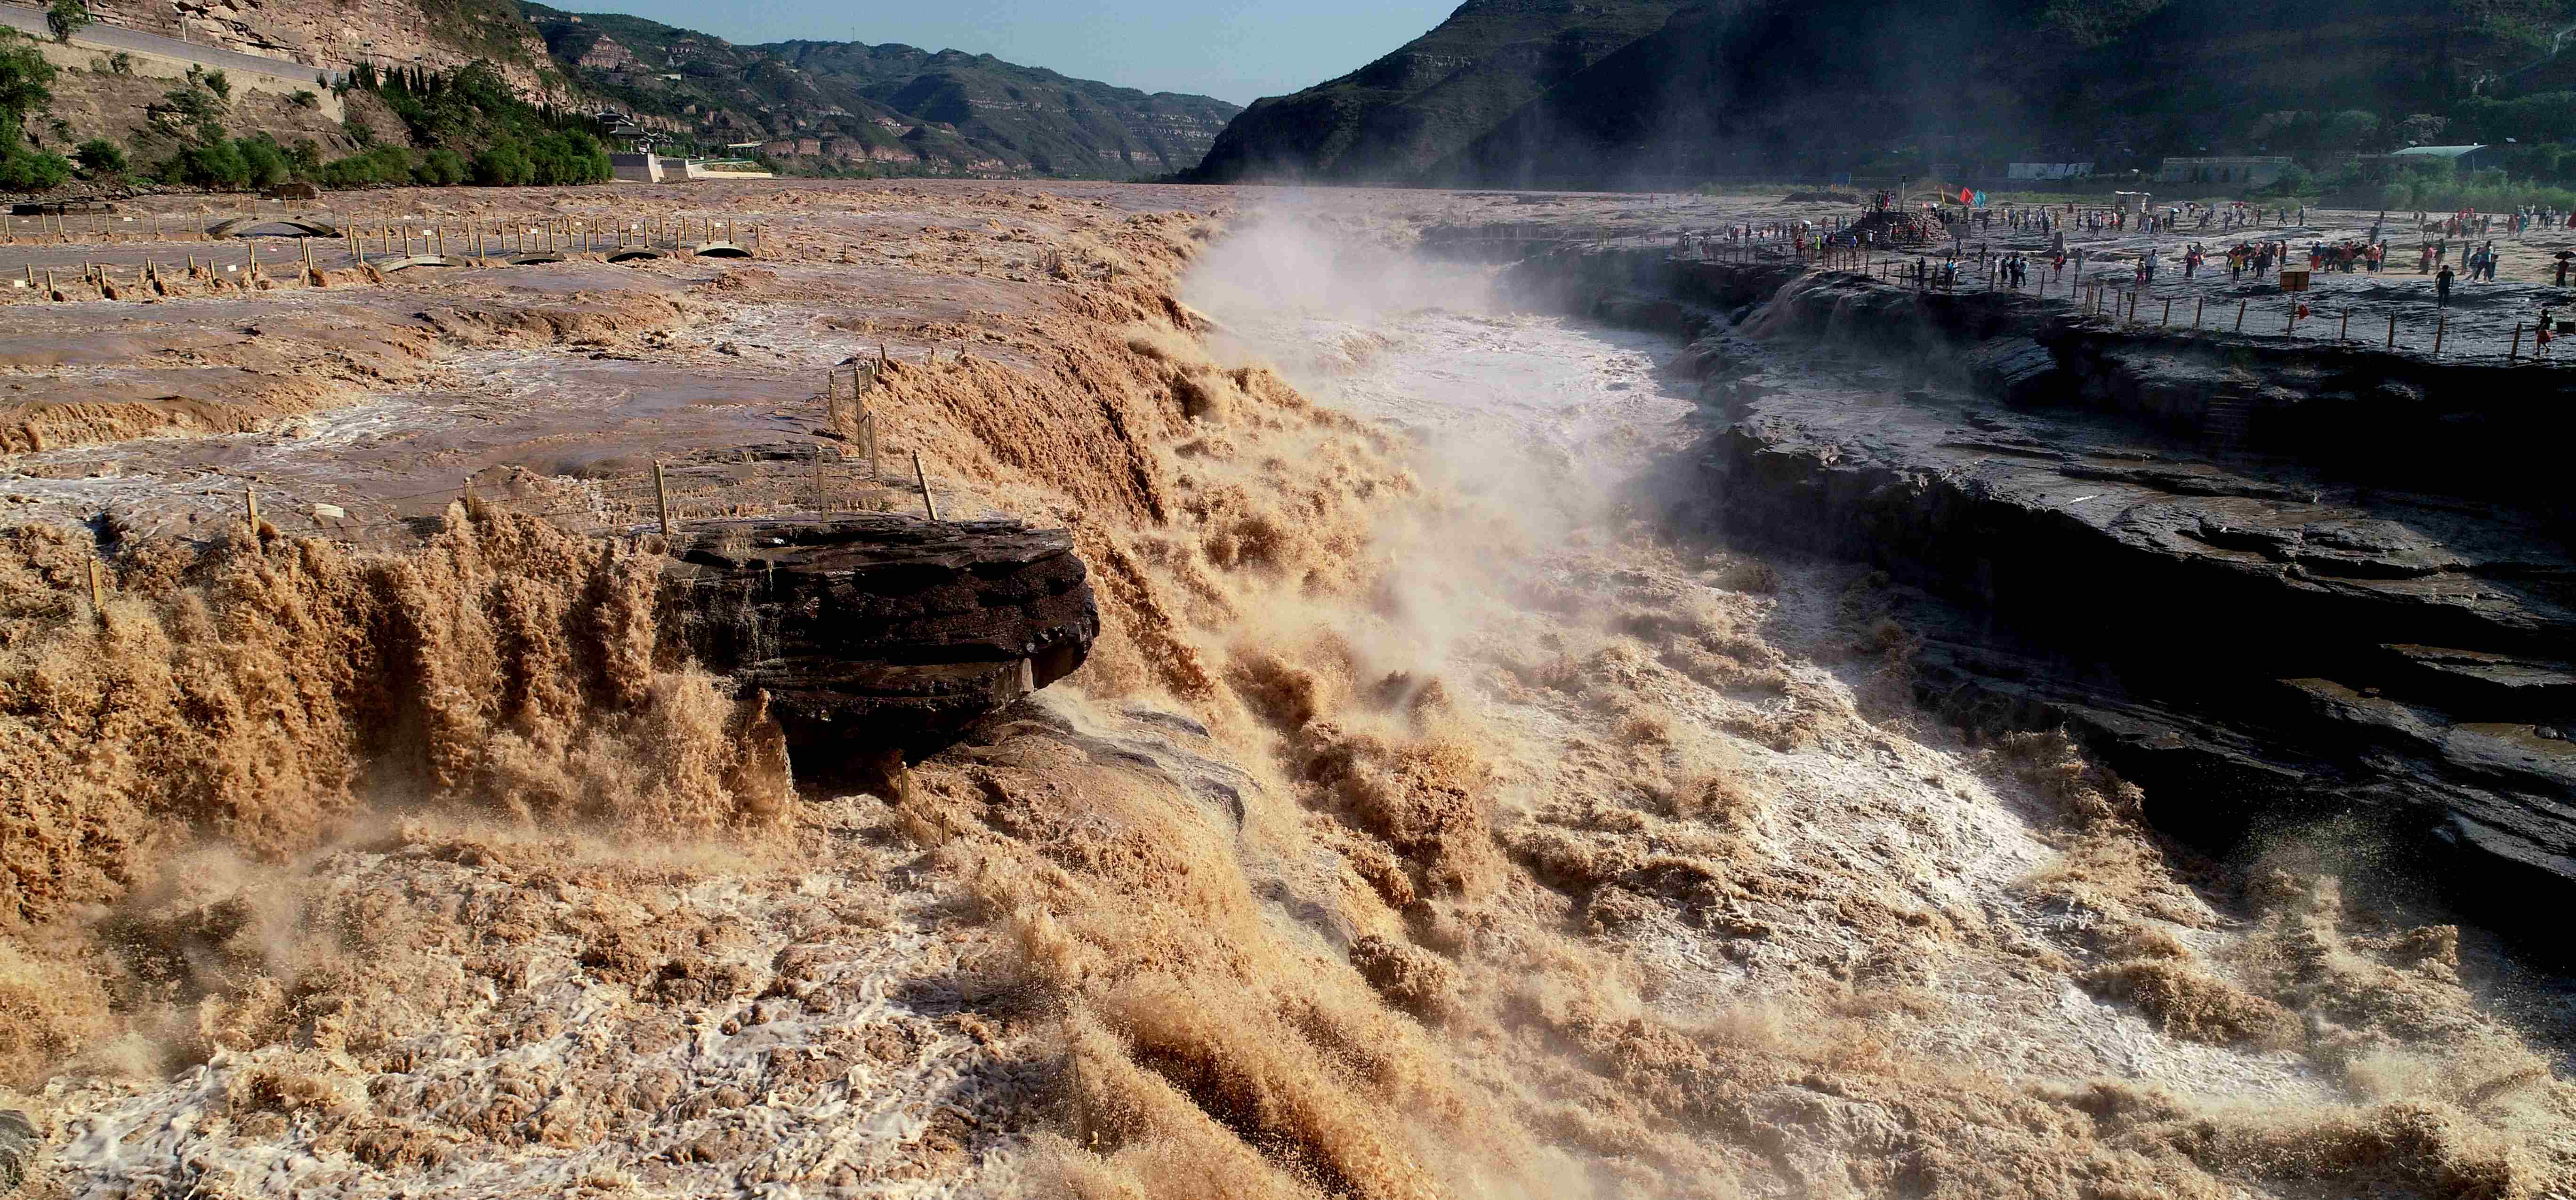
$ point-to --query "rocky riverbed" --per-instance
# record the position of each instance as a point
(1442, 801)
(2272, 581)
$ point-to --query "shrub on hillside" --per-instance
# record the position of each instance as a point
(379, 164)
(99, 156)
(441, 167)
(488, 134)
(24, 76)
(230, 164)
(504, 164)
(23, 169)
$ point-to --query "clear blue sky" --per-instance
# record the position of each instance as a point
(1231, 49)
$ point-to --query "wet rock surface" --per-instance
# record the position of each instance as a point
(18, 1147)
(2271, 583)
(876, 631)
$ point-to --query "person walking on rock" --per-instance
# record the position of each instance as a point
(2442, 287)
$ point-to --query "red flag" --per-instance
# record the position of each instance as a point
(1966, 196)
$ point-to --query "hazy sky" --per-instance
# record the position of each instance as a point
(1231, 49)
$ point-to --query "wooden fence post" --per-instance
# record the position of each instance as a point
(662, 496)
(2345, 334)
(2392, 331)
(250, 507)
(2515, 355)
(928, 505)
(2168, 317)
(2198, 310)
(97, 591)
(2440, 327)
(2240, 315)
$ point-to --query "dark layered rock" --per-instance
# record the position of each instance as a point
(2251, 650)
(882, 632)
(18, 1147)
(2271, 581)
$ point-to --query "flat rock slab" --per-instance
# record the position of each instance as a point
(2159, 545)
(879, 632)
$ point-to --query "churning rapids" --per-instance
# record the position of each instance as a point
(1575, 430)
(1438, 815)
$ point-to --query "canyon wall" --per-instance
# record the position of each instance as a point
(2271, 582)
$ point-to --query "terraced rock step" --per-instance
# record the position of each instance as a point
(2270, 582)
(879, 632)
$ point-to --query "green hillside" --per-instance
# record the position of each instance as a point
(893, 108)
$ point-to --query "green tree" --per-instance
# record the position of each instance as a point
(99, 156)
(441, 167)
(2423, 129)
(216, 167)
(24, 74)
(191, 111)
(569, 156)
(378, 164)
(2351, 131)
(2297, 181)
(504, 164)
(264, 162)
(27, 170)
(65, 18)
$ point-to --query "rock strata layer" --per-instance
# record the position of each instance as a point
(2272, 582)
(880, 632)
(18, 1147)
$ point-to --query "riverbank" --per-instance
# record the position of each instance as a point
(2273, 582)
(1434, 815)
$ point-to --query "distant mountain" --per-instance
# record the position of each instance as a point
(1736, 88)
(1399, 116)
(897, 107)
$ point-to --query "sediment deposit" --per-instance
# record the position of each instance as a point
(1433, 814)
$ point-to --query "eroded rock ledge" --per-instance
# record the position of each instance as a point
(877, 632)
(2270, 581)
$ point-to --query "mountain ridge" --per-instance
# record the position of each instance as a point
(1401, 112)
(839, 105)
(810, 105)
(1722, 89)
